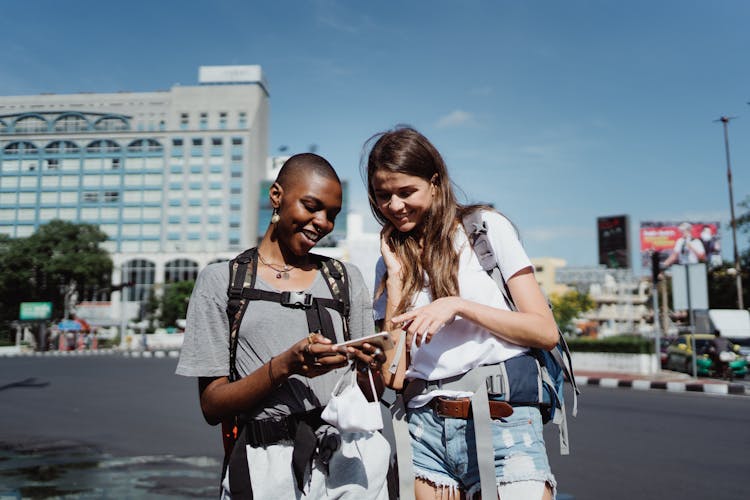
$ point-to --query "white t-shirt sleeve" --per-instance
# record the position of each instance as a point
(505, 243)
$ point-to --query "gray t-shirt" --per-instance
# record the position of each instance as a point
(267, 330)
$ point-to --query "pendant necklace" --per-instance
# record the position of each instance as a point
(282, 271)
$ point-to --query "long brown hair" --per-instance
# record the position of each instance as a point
(428, 248)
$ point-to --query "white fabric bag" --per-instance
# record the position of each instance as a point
(349, 410)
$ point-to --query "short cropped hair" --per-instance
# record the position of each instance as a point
(300, 166)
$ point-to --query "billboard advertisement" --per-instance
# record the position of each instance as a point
(681, 243)
(612, 232)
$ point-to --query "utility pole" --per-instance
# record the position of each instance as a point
(655, 270)
(737, 268)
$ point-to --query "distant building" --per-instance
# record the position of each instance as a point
(171, 176)
(545, 270)
(621, 298)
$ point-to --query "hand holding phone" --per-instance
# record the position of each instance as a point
(381, 340)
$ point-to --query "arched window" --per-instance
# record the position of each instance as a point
(144, 146)
(3, 127)
(71, 122)
(29, 124)
(103, 146)
(141, 273)
(112, 123)
(180, 270)
(57, 147)
(20, 148)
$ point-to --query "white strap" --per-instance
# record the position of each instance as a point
(399, 350)
(403, 449)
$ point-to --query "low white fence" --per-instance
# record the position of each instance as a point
(644, 364)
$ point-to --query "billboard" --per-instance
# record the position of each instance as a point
(612, 232)
(681, 243)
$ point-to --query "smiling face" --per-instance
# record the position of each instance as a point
(402, 199)
(307, 211)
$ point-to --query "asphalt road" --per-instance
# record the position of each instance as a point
(628, 444)
(129, 428)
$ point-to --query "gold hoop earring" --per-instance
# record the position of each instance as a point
(275, 218)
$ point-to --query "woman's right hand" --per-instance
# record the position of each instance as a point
(313, 356)
(392, 264)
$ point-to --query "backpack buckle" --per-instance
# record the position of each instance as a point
(296, 299)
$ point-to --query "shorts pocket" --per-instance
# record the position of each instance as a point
(525, 419)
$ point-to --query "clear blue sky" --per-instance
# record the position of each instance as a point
(556, 112)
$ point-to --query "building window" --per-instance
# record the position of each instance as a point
(184, 120)
(242, 119)
(58, 147)
(71, 123)
(177, 142)
(223, 120)
(141, 273)
(30, 125)
(22, 148)
(115, 163)
(203, 123)
(216, 141)
(111, 196)
(90, 197)
(112, 123)
(53, 164)
(180, 270)
(103, 146)
(145, 145)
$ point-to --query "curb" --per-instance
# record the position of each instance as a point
(644, 385)
(157, 353)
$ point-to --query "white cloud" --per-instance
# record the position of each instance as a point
(455, 118)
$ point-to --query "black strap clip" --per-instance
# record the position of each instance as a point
(300, 300)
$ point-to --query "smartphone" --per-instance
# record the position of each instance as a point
(382, 340)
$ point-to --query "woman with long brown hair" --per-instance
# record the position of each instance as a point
(455, 319)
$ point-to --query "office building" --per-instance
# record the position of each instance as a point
(170, 176)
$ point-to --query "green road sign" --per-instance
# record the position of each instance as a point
(36, 310)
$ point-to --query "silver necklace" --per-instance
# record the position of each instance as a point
(282, 270)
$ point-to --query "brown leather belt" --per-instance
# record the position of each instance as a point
(461, 408)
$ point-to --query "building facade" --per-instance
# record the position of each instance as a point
(170, 176)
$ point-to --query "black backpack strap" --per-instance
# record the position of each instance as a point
(242, 272)
(337, 280)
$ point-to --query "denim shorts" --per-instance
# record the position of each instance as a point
(444, 449)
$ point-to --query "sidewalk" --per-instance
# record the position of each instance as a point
(663, 380)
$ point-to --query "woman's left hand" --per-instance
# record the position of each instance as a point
(368, 360)
(424, 322)
(368, 355)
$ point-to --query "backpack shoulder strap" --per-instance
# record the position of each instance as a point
(476, 230)
(242, 272)
(337, 280)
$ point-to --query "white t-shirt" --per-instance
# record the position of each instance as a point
(463, 345)
(688, 251)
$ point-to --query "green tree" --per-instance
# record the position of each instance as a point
(57, 256)
(174, 302)
(568, 306)
(722, 289)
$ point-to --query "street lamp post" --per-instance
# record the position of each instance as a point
(737, 268)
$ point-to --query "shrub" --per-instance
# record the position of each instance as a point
(630, 344)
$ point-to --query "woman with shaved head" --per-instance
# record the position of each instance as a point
(261, 337)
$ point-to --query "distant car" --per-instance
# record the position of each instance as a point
(680, 356)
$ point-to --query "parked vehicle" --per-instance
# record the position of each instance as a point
(664, 343)
(680, 357)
